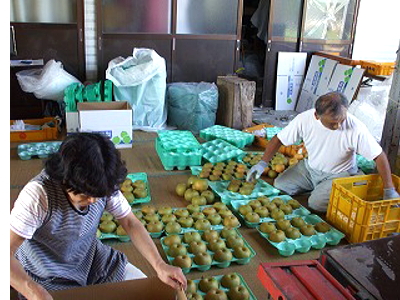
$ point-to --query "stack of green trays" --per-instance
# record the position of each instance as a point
(226, 290)
(219, 150)
(41, 149)
(299, 212)
(305, 243)
(262, 188)
(224, 264)
(97, 92)
(235, 137)
(178, 149)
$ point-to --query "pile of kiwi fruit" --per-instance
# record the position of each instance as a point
(264, 207)
(192, 216)
(223, 171)
(228, 286)
(292, 229)
(133, 190)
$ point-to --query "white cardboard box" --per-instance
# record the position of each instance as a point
(316, 82)
(72, 121)
(290, 73)
(113, 119)
(345, 79)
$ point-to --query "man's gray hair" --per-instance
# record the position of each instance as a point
(333, 103)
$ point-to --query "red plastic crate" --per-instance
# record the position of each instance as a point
(300, 280)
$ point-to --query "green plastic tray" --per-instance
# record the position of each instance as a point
(140, 176)
(299, 212)
(305, 243)
(219, 277)
(178, 140)
(219, 150)
(262, 189)
(184, 229)
(241, 261)
(179, 160)
(107, 90)
(40, 150)
(233, 136)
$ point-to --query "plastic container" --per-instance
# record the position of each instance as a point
(303, 279)
(235, 137)
(40, 150)
(225, 264)
(305, 243)
(226, 290)
(299, 212)
(92, 92)
(219, 150)
(107, 91)
(50, 133)
(355, 208)
(262, 188)
(179, 160)
(377, 68)
(178, 140)
(228, 169)
(140, 176)
(163, 232)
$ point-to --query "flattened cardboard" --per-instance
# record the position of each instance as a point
(290, 73)
(144, 289)
(316, 82)
(345, 79)
(113, 119)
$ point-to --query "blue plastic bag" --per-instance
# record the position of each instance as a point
(192, 106)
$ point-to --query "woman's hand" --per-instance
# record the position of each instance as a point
(173, 276)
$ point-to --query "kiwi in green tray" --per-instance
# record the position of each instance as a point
(292, 233)
(322, 227)
(307, 229)
(297, 222)
(277, 236)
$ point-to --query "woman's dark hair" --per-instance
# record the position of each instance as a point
(333, 103)
(87, 163)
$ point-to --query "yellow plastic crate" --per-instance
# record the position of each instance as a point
(36, 135)
(354, 208)
(377, 68)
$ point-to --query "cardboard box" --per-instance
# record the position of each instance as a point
(316, 82)
(113, 119)
(345, 79)
(144, 289)
(235, 102)
(72, 121)
(290, 73)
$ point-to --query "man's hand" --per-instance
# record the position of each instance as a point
(173, 276)
(390, 193)
(256, 171)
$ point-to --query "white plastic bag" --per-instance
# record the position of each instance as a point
(47, 83)
(140, 79)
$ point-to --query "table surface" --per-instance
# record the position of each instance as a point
(143, 158)
(374, 264)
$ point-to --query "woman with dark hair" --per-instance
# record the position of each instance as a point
(53, 242)
(332, 138)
